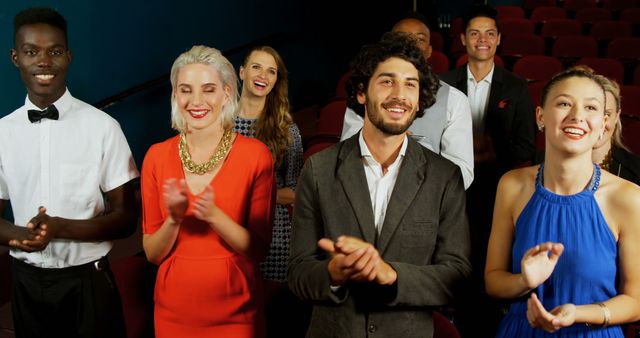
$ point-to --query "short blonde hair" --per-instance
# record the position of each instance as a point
(210, 57)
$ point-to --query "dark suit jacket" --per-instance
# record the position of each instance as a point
(510, 118)
(424, 238)
(625, 164)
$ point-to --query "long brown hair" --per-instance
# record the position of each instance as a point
(272, 128)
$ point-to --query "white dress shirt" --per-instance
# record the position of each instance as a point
(478, 92)
(380, 183)
(64, 165)
(456, 142)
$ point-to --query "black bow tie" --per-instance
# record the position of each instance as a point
(36, 115)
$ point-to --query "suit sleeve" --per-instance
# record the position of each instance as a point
(523, 131)
(434, 284)
(308, 265)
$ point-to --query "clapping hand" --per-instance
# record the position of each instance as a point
(538, 263)
(550, 321)
(357, 260)
(204, 207)
(175, 198)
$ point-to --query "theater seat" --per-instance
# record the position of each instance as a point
(442, 327)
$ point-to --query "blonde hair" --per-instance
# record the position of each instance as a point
(210, 57)
(611, 86)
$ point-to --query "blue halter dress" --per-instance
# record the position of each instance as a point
(586, 272)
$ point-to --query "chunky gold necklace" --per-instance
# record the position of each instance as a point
(201, 169)
(606, 162)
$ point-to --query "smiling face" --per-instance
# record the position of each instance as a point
(42, 57)
(259, 74)
(573, 115)
(200, 95)
(481, 39)
(391, 99)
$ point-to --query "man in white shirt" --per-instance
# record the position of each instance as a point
(59, 157)
(445, 127)
(379, 229)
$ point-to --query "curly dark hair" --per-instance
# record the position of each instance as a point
(392, 44)
(31, 16)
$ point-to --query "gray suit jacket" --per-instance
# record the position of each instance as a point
(424, 238)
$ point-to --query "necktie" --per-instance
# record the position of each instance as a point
(36, 115)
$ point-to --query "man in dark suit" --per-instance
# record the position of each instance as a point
(380, 236)
(503, 138)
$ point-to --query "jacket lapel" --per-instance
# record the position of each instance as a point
(494, 93)
(461, 79)
(409, 181)
(354, 183)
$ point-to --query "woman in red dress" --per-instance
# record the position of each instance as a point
(208, 196)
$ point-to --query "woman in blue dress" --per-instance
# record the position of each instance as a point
(565, 234)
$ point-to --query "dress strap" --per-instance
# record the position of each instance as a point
(594, 183)
(595, 178)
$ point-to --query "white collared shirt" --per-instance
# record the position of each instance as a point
(64, 165)
(380, 184)
(456, 143)
(478, 93)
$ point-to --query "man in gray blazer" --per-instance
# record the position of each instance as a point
(380, 236)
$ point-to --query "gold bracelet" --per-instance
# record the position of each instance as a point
(607, 315)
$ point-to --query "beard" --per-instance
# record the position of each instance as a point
(389, 128)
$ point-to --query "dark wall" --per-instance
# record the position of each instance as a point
(119, 44)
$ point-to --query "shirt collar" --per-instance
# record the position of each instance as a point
(364, 150)
(63, 104)
(486, 79)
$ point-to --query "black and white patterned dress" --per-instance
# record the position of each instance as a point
(274, 266)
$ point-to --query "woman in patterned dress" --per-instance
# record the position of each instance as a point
(264, 114)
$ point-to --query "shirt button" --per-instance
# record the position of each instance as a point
(372, 328)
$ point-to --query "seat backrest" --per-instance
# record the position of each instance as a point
(516, 26)
(574, 47)
(618, 5)
(610, 68)
(631, 15)
(536, 68)
(624, 48)
(532, 4)
(442, 327)
(331, 117)
(576, 5)
(542, 14)
(593, 15)
(560, 27)
(521, 45)
(439, 62)
(509, 12)
(341, 86)
(436, 40)
(609, 29)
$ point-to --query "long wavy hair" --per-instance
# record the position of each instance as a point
(272, 128)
